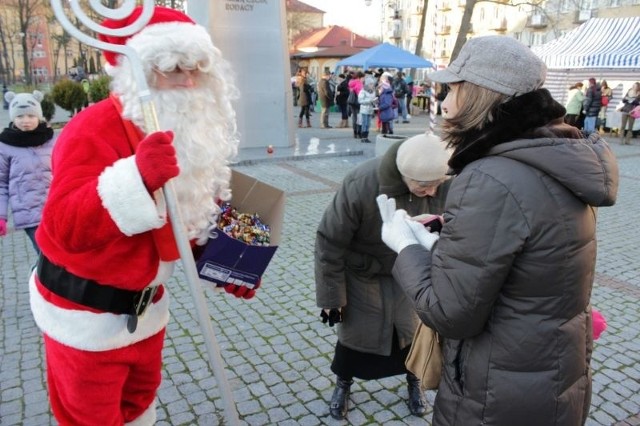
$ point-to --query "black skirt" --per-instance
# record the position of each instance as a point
(348, 363)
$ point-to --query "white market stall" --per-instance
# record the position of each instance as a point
(602, 48)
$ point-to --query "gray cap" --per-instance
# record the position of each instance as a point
(498, 63)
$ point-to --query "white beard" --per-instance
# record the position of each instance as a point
(203, 123)
(203, 157)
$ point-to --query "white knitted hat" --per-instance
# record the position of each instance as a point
(423, 158)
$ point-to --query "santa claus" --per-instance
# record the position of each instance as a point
(107, 248)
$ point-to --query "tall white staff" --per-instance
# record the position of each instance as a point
(168, 193)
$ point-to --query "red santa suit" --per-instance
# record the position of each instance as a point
(100, 228)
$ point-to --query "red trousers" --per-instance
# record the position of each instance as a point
(107, 388)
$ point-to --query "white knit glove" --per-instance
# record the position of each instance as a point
(396, 231)
(425, 238)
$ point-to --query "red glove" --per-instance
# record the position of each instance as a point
(242, 291)
(156, 160)
(3, 227)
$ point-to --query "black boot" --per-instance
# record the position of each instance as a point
(417, 401)
(365, 137)
(340, 399)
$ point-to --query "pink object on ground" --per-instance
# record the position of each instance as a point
(599, 323)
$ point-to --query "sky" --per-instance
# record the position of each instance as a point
(352, 14)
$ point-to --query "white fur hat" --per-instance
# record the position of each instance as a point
(24, 103)
(423, 158)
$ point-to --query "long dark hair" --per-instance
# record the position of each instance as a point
(487, 118)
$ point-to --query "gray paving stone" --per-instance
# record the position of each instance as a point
(275, 350)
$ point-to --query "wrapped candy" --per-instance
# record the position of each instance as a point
(244, 227)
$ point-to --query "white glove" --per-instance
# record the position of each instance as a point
(425, 238)
(396, 232)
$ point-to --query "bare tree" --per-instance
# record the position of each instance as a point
(5, 66)
(26, 12)
(465, 23)
(60, 45)
(423, 22)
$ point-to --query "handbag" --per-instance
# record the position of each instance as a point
(635, 113)
(425, 357)
(353, 98)
(604, 100)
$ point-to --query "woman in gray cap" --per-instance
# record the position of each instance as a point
(508, 280)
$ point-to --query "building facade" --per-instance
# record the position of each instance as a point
(533, 24)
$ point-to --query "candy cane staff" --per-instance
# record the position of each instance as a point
(107, 246)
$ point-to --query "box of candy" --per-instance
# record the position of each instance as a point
(248, 234)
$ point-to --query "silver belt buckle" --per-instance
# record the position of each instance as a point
(143, 301)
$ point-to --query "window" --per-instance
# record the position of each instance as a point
(537, 39)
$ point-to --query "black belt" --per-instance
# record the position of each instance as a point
(91, 294)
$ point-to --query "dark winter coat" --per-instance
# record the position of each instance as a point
(592, 101)
(342, 92)
(385, 104)
(400, 88)
(509, 281)
(353, 265)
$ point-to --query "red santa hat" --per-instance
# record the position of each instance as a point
(161, 15)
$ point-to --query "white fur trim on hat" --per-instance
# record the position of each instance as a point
(120, 187)
(168, 44)
(423, 158)
(25, 103)
(90, 331)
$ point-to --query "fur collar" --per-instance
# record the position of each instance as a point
(533, 115)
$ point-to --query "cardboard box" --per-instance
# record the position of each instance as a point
(227, 260)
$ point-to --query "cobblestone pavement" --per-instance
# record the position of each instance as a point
(276, 351)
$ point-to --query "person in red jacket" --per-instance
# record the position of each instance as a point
(107, 247)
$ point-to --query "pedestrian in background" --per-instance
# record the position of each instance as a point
(355, 86)
(507, 283)
(342, 94)
(386, 104)
(630, 100)
(25, 164)
(591, 106)
(575, 97)
(325, 95)
(367, 100)
(354, 286)
(410, 93)
(607, 94)
(400, 91)
(304, 97)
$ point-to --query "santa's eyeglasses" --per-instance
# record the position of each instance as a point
(178, 74)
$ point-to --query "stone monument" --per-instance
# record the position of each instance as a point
(252, 36)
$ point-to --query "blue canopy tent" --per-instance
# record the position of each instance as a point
(387, 56)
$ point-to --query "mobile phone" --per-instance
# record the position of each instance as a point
(434, 225)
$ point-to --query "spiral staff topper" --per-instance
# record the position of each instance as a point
(151, 125)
